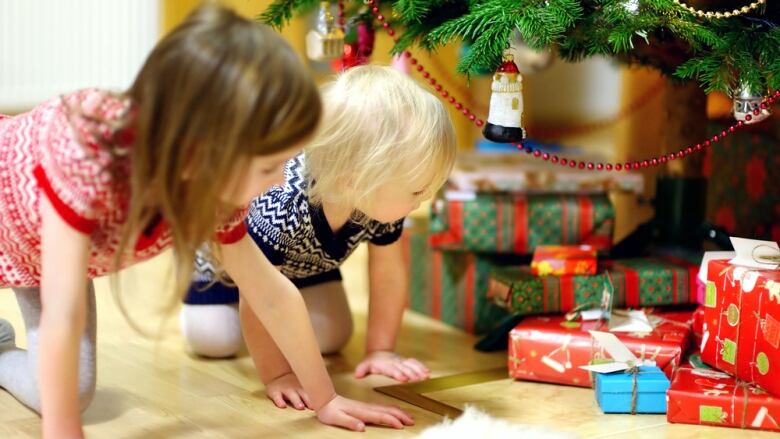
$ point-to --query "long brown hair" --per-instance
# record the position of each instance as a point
(215, 91)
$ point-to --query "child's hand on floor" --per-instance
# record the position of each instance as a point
(287, 390)
(354, 415)
(392, 365)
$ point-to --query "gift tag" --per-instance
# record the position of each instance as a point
(624, 358)
(755, 253)
(629, 321)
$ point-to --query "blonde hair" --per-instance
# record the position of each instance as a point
(378, 126)
(215, 91)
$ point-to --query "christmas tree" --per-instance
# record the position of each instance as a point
(708, 45)
(725, 46)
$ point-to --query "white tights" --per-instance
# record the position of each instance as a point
(214, 331)
(19, 367)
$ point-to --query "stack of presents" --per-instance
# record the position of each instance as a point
(695, 337)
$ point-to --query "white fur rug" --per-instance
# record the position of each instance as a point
(478, 424)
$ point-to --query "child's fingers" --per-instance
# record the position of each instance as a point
(345, 420)
(422, 372)
(409, 372)
(305, 398)
(418, 365)
(277, 399)
(372, 415)
(295, 399)
(362, 369)
(397, 412)
(395, 372)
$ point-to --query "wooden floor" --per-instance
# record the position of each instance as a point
(152, 389)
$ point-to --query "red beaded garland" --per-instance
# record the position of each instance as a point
(654, 161)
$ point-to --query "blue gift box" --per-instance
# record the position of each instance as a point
(614, 391)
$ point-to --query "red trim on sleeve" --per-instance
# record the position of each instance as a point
(233, 235)
(69, 215)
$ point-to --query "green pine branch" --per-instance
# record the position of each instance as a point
(280, 12)
(719, 54)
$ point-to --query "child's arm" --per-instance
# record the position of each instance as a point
(281, 386)
(64, 255)
(388, 292)
(280, 308)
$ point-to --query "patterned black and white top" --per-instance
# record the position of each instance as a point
(295, 236)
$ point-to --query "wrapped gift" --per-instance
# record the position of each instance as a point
(710, 397)
(516, 223)
(697, 326)
(451, 287)
(635, 391)
(693, 360)
(742, 323)
(637, 283)
(701, 280)
(552, 349)
(560, 260)
(627, 384)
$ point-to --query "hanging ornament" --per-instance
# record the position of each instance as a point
(527, 60)
(505, 119)
(326, 41)
(358, 46)
(748, 107)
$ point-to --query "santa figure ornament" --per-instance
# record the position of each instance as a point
(504, 123)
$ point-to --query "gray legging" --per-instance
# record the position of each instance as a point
(19, 368)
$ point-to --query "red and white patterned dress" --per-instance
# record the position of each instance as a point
(43, 154)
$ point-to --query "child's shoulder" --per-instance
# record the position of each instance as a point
(85, 117)
(80, 150)
(89, 103)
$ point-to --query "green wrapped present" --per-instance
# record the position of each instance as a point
(644, 282)
(518, 223)
(449, 286)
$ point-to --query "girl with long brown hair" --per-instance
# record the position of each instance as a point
(94, 181)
